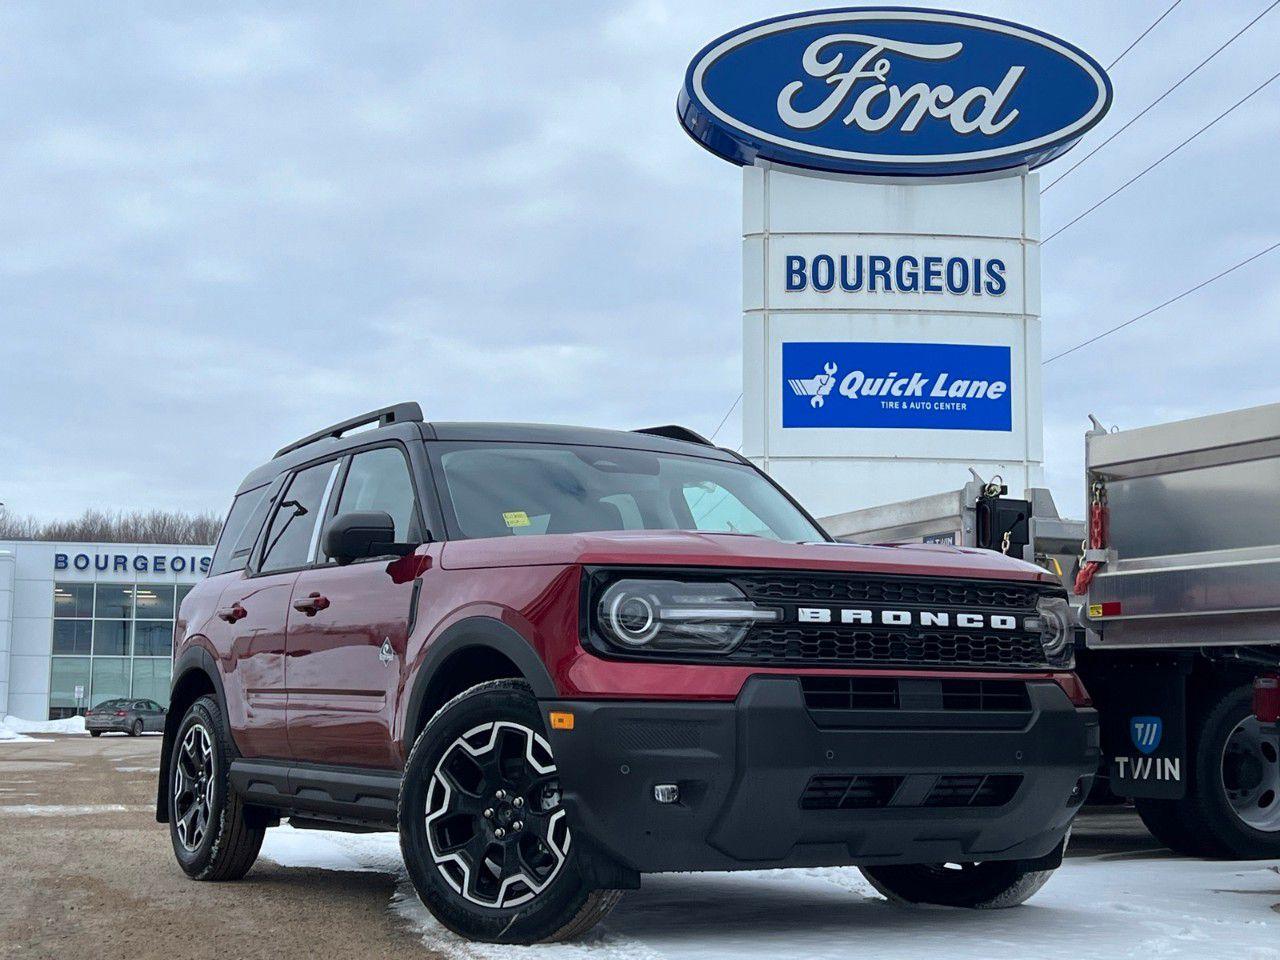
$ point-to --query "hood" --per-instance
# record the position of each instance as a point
(694, 549)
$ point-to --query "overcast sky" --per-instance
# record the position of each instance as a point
(221, 231)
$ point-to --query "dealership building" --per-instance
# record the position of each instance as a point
(81, 623)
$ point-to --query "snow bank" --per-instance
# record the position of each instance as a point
(15, 726)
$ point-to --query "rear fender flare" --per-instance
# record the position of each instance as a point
(195, 659)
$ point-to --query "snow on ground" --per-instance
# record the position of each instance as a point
(1115, 906)
(65, 810)
(15, 728)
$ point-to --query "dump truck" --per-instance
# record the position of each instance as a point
(1174, 577)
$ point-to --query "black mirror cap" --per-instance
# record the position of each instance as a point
(359, 534)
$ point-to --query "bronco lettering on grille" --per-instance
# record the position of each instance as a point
(907, 618)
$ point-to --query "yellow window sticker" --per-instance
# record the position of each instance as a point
(515, 518)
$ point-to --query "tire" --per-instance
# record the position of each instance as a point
(480, 784)
(212, 836)
(136, 729)
(95, 733)
(1232, 809)
(1166, 821)
(991, 885)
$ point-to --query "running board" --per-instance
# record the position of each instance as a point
(348, 795)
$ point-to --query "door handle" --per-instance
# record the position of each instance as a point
(311, 604)
(232, 613)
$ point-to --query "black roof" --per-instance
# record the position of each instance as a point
(402, 426)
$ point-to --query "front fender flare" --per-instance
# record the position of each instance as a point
(480, 631)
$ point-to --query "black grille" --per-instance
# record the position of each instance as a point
(849, 793)
(884, 693)
(985, 695)
(827, 645)
(857, 792)
(795, 643)
(922, 591)
(850, 693)
(994, 790)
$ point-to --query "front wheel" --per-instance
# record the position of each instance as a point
(136, 729)
(990, 885)
(485, 839)
(95, 733)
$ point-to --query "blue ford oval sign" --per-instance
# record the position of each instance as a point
(892, 91)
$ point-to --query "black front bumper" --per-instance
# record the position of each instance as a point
(746, 773)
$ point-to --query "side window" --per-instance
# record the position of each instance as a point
(239, 531)
(715, 509)
(379, 480)
(289, 537)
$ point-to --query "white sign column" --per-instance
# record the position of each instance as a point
(891, 334)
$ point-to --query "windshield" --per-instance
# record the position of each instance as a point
(514, 490)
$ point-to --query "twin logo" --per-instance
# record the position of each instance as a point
(1146, 732)
(899, 385)
(892, 91)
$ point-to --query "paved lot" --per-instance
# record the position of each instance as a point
(85, 871)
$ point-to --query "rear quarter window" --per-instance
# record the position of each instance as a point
(240, 530)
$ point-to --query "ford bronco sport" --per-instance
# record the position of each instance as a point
(554, 659)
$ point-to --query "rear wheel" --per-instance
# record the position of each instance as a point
(484, 837)
(1232, 810)
(136, 729)
(989, 885)
(214, 837)
(95, 733)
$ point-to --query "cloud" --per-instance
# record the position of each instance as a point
(222, 229)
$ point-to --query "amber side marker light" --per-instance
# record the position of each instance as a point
(561, 720)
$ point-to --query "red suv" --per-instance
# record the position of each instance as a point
(554, 659)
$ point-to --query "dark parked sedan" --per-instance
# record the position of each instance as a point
(125, 716)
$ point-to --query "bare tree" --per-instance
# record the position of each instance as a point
(102, 526)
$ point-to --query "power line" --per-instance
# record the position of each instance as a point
(1148, 107)
(726, 417)
(1199, 286)
(1154, 24)
(1138, 176)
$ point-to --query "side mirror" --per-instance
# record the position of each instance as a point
(360, 534)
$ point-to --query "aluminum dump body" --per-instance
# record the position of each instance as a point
(1191, 555)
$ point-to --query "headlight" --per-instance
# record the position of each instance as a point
(670, 615)
(1057, 627)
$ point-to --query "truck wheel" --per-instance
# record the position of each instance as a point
(1233, 810)
(484, 837)
(1166, 821)
(211, 836)
(990, 885)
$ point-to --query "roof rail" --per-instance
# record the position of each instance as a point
(397, 413)
(674, 431)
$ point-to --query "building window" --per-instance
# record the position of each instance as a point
(151, 680)
(111, 640)
(68, 673)
(109, 679)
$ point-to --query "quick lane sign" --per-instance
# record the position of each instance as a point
(921, 386)
(892, 91)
